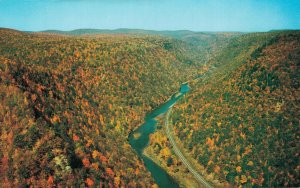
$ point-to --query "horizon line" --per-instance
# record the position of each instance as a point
(158, 30)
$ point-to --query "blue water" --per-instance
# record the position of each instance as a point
(160, 176)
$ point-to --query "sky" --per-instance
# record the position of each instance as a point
(195, 15)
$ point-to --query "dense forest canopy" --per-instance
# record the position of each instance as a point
(69, 102)
(242, 121)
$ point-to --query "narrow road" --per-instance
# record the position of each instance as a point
(198, 177)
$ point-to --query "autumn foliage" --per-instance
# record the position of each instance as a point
(67, 105)
(242, 121)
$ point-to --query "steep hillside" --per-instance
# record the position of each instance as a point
(201, 45)
(241, 121)
(67, 105)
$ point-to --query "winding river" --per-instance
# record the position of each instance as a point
(139, 140)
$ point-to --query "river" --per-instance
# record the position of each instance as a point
(141, 140)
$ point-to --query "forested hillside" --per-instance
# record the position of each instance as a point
(199, 47)
(67, 105)
(241, 121)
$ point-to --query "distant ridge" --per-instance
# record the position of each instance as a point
(173, 33)
(195, 38)
(10, 30)
(281, 30)
(176, 33)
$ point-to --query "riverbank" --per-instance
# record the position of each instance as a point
(179, 172)
(139, 140)
(160, 152)
(160, 160)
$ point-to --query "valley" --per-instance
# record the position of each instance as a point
(77, 108)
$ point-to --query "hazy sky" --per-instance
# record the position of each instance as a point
(197, 15)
